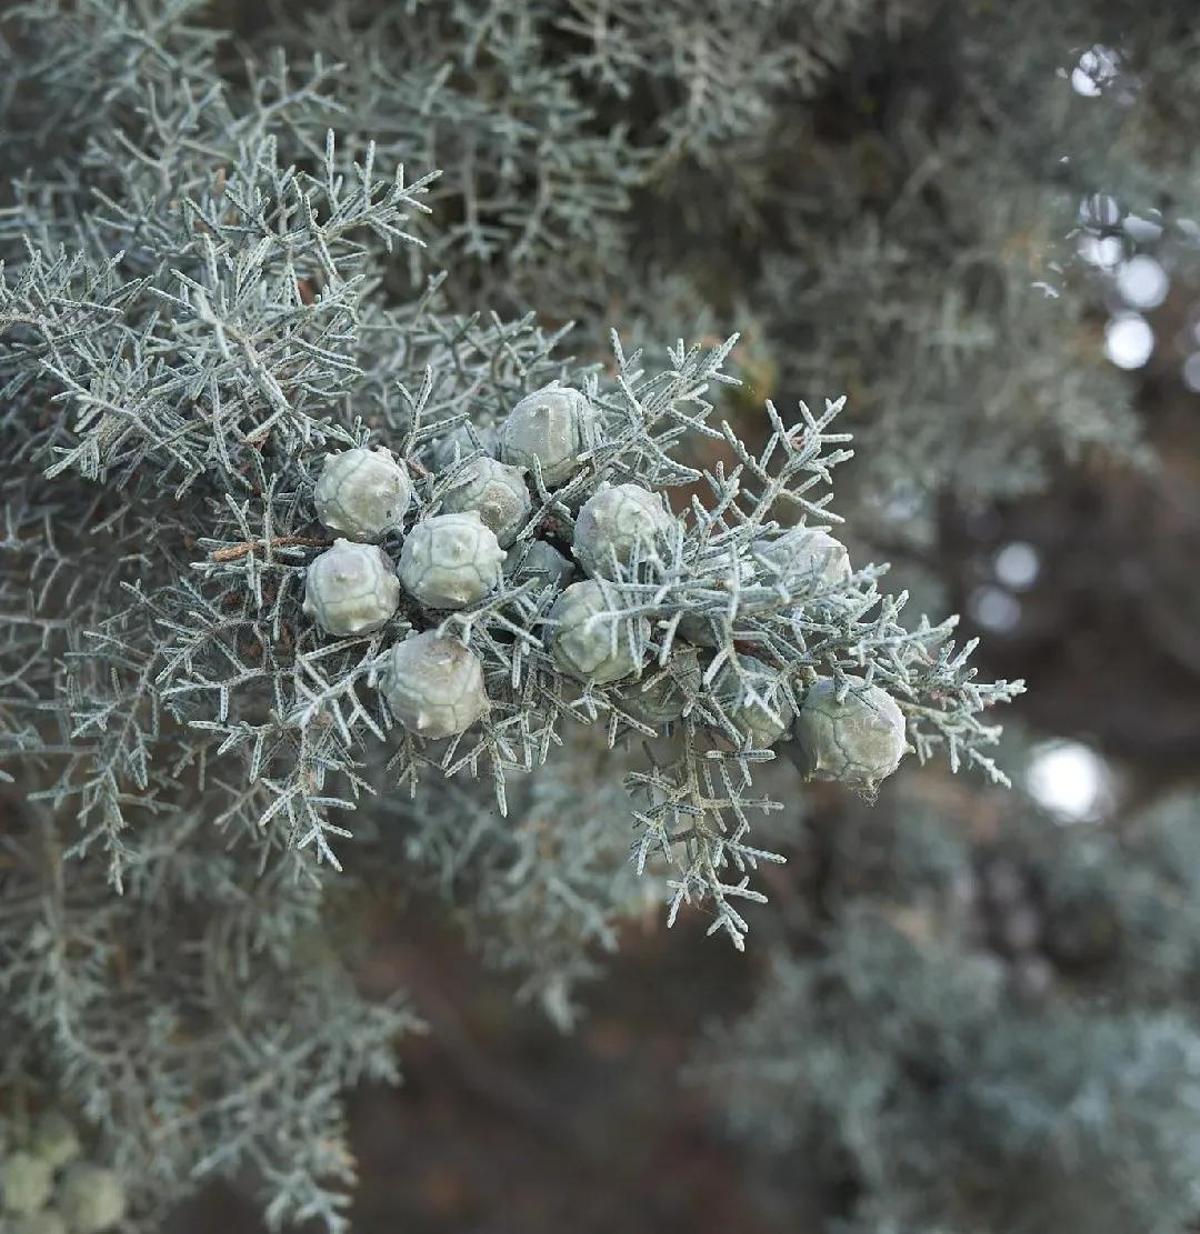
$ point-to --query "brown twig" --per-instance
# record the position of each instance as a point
(235, 552)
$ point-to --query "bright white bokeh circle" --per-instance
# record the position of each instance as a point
(1070, 780)
(995, 609)
(1017, 565)
(1129, 341)
(1142, 282)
